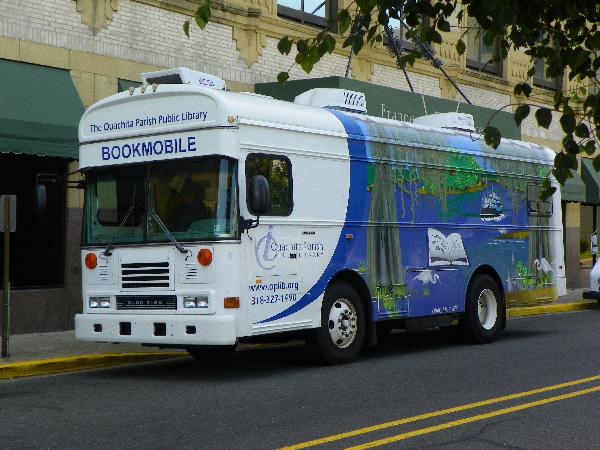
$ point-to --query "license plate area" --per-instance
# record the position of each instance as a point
(152, 302)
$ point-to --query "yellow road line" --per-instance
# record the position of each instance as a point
(467, 420)
(441, 412)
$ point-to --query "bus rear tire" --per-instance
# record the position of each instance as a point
(484, 310)
(341, 336)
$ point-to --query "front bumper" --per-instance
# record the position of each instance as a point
(154, 329)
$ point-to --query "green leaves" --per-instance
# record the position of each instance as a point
(460, 47)
(285, 45)
(443, 25)
(543, 117)
(186, 28)
(521, 113)
(202, 15)
(593, 42)
(491, 135)
(522, 89)
(547, 190)
(568, 122)
(282, 77)
(344, 21)
(582, 131)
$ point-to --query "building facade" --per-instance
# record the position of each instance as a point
(57, 57)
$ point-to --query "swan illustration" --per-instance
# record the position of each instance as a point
(543, 265)
(426, 276)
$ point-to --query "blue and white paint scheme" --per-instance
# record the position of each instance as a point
(392, 208)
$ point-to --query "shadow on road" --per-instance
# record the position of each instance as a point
(295, 357)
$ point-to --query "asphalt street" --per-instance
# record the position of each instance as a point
(415, 391)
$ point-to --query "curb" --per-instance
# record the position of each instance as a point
(551, 309)
(81, 362)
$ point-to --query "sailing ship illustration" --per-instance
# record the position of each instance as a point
(491, 207)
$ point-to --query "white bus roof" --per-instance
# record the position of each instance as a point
(177, 107)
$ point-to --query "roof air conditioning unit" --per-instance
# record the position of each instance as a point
(182, 75)
(341, 99)
(451, 121)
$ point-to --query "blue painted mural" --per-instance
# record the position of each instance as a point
(438, 206)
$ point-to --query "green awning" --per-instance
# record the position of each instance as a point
(39, 110)
(574, 189)
(591, 178)
(126, 84)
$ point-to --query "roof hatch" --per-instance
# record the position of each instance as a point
(183, 75)
(450, 121)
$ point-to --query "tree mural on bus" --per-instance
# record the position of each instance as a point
(409, 170)
(384, 270)
(536, 272)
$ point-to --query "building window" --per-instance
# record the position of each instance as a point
(594, 84)
(542, 80)
(311, 12)
(278, 172)
(36, 249)
(480, 56)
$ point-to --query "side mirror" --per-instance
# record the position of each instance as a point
(259, 195)
(40, 203)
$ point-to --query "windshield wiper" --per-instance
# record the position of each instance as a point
(160, 223)
(107, 250)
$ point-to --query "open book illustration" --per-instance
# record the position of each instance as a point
(446, 250)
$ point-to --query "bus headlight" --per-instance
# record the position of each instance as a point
(199, 301)
(99, 302)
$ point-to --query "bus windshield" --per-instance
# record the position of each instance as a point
(195, 199)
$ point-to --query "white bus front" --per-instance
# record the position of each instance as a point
(158, 239)
(161, 255)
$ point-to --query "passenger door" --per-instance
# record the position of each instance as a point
(272, 255)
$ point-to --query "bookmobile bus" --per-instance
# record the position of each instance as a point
(213, 218)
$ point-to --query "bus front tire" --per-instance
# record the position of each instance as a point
(484, 310)
(341, 336)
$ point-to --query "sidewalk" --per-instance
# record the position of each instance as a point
(45, 353)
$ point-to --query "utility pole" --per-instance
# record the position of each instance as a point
(8, 225)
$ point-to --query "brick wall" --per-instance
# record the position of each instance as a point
(394, 78)
(530, 128)
(150, 35)
(483, 97)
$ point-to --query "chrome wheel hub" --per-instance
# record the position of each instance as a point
(487, 309)
(342, 323)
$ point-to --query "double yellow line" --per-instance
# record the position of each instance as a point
(455, 423)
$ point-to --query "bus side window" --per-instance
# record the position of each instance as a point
(278, 171)
(535, 205)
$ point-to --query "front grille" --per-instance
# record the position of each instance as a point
(145, 275)
(146, 302)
